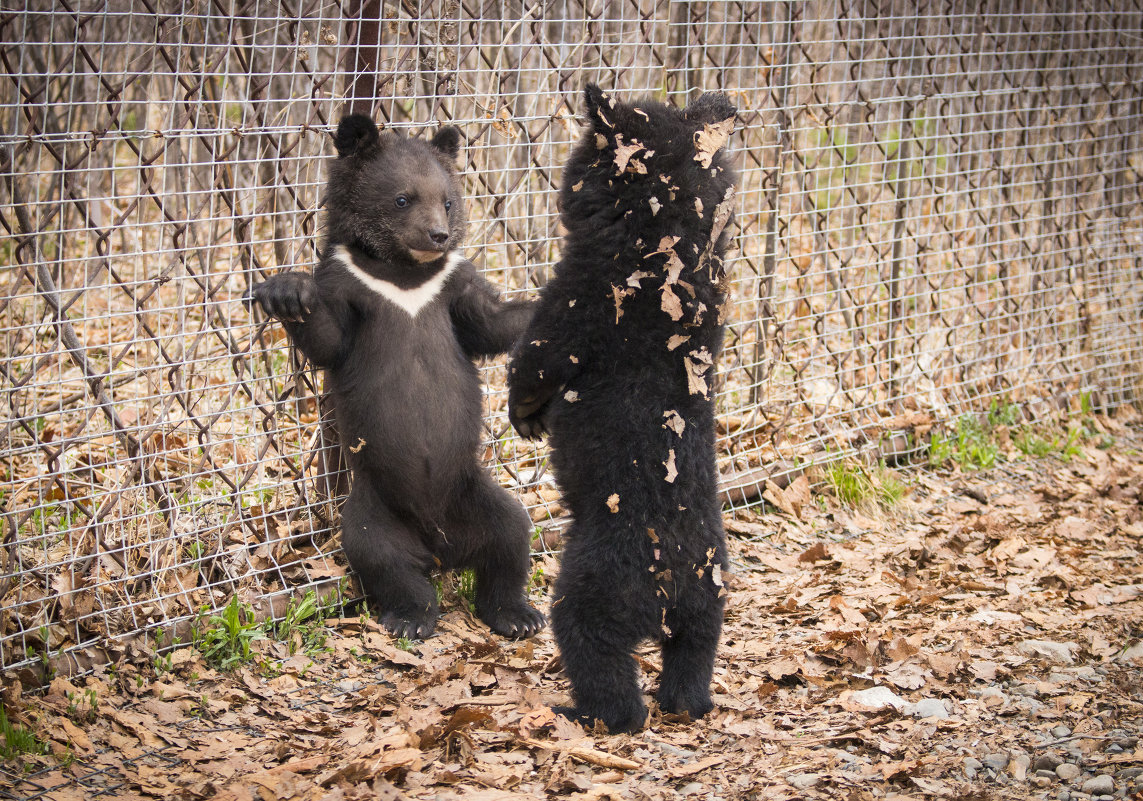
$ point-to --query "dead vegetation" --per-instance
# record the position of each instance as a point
(978, 637)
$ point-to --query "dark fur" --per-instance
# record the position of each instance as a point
(647, 562)
(407, 393)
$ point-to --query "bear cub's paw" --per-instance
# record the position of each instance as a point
(287, 296)
(694, 701)
(528, 419)
(413, 627)
(619, 723)
(515, 622)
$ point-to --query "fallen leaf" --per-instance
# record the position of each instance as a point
(815, 553)
(625, 151)
(698, 766)
(674, 421)
(698, 363)
(613, 502)
(672, 471)
(619, 293)
(637, 276)
(710, 139)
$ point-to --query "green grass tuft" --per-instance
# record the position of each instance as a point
(18, 741)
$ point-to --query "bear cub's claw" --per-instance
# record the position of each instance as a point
(286, 296)
(628, 724)
(514, 622)
(695, 702)
(410, 628)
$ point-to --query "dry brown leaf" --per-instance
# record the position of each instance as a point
(698, 363)
(619, 293)
(698, 766)
(815, 553)
(624, 152)
(674, 421)
(637, 276)
(670, 304)
(710, 139)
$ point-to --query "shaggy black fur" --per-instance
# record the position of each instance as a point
(617, 365)
(396, 317)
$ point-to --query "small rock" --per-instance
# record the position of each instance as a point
(1068, 771)
(929, 708)
(1047, 774)
(1030, 706)
(1099, 785)
(1060, 731)
(973, 762)
(1046, 762)
(1018, 766)
(804, 781)
(1064, 795)
(1040, 781)
(1086, 672)
(674, 750)
(879, 698)
(997, 762)
(1129, 773)
(692, 789)
(1114, 748)
(1059, 678)
(1053, 651)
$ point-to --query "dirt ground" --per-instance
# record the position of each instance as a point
(979, 639)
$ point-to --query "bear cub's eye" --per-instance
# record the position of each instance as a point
(448, 205)
(401, 201)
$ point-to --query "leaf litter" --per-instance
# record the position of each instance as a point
(946, 648)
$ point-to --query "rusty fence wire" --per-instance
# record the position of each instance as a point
(939, 209)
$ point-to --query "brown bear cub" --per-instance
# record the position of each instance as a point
(396, 316)
(617, 368)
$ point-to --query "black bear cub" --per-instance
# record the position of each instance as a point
(396, 316)
(617, 367)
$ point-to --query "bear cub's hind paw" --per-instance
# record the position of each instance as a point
(629, 723)
(515, 622)
(695, 702)
(413, 628)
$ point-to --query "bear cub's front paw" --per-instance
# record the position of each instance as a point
(528, 414)
(412, 627)
(515, 622)
(287, 296)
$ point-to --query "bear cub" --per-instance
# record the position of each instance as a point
(396, 316)
(616, 367)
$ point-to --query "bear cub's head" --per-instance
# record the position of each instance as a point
(646, 168)
(396, 199)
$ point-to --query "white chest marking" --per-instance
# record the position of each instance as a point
(411, 300)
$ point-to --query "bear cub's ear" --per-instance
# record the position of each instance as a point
(598, 105)
(356, 135)
(447, 141)
(710, 108)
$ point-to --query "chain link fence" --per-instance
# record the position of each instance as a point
(939, 208)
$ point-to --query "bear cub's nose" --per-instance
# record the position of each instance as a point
(438, 236)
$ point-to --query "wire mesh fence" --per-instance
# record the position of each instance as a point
(939, 208)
